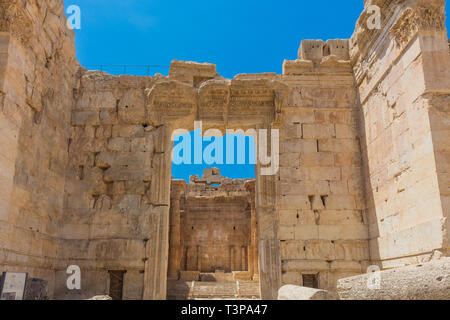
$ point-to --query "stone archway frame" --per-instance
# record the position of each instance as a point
(220, 104)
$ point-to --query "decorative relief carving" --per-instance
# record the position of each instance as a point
(170, 100)
(415, 20)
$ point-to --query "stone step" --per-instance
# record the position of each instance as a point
(193, 290)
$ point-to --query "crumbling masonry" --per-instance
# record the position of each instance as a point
(85, 157)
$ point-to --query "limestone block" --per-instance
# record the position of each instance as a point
(339, 187)
(343, 232)
(292, 250)
(141, 145)
(108, 116)
(293, 174)
(306, 232)
(190, 275)
(299, 145)
(286, 232)
(340, 217)
(132, 107)
(293, 131)
(125, 159)
(339, 48)
(348, 117)
(323, 173)
(80, 118)
(305, 265)
(298, 116)
(342, 159)
(291, 292)
(128, 131)
(293, 278)
(289, 160)
(297, 67)
(344, 131)
(306, 217)
(191, 72)
(318, 159)
(339, 145)
(427, 281)
(340, 202)
(119, 144)
(292, 202)
(288, 217)
(318, 131)
(103, 132)
(311, 50)
(124, 174)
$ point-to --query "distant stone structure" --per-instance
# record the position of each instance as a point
(213, 235)
(85, 160)
(213, 227)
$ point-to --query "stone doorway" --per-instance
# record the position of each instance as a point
(116, 284)
(221, 105)
(213, 242)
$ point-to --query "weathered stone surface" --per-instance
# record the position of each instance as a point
(427, 281)
(363, 172)
(290, 292)
(101, 298)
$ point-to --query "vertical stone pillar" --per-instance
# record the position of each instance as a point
(192, 258)
(269, 256)
(175, 253)
(232, 259)
(157, 248)
(244, 264)
(253, 248)
(199, 259)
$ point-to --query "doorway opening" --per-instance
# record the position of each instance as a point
(116, 280)
(213, 237)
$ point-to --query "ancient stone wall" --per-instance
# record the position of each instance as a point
(86, 165)
(37, 72)
(403, 77)
(108, 205)
(321, 206)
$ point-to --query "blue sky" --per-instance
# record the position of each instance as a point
(239, 36)
(239, 167)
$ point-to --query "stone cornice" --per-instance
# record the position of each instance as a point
(401, 19)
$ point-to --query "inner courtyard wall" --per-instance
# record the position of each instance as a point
(37, 76)
(403, 77)
(321, 209)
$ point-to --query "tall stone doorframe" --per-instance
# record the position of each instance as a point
(194, 92)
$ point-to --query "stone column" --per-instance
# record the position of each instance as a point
(199, 259)
(175, 253)
(253, 248)
(269, 255)
(157, 248)
(244, 264)
(232, 259)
